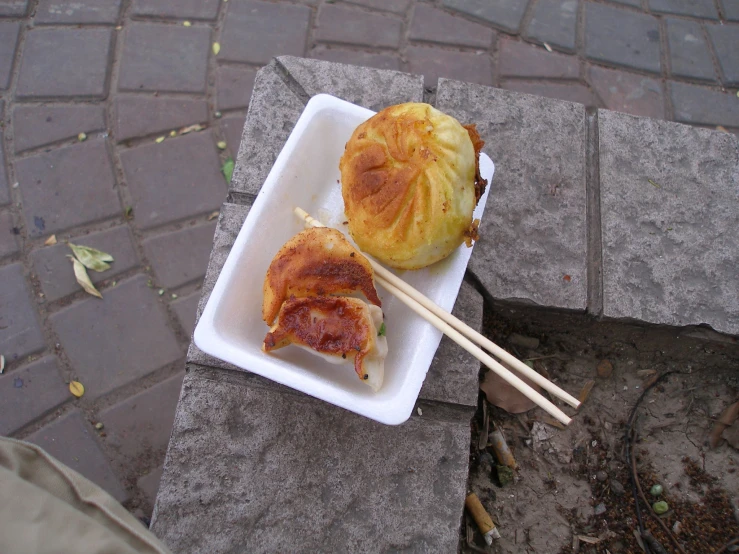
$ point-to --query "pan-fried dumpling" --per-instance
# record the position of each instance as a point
(337, 328)
(316, 262)
(410, 181)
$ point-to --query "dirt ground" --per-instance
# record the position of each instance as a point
(576, 482)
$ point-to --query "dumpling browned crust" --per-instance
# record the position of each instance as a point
(316, 262)
(410, 182)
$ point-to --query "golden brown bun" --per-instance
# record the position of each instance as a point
(409, 184)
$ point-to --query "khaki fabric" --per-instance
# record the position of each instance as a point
(46, 507)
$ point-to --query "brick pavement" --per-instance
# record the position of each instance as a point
(127, 73)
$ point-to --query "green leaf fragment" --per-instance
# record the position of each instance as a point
(383, 330)
(228, 169)
(654, 184)
(91, 258)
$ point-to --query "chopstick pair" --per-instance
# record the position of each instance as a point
(464, 335)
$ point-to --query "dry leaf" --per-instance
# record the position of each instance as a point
(83, 278)
(51, 241)
(191, 128)
(92, 258)
(221, 145)
(589, 540)
(76, 388)
(81, 137)
(585, 392)
(604, 369)
(501, 394)
(216, 48)
(728, 417)
(173, 133)
(722, 128)
(159, 140)
(186, 23)
(213, 215)
(549, 48)
(2, 364)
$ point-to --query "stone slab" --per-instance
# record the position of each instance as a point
(181, 9)
(229, 224)
(180, 257)
(79, 12)
(255, 31)
(725, 40)
(257, 469)
(347, 25)
(435, 63)
(164, 58)
(129, 330)
(535, 216)
(628, 92)
(138, 428)
(669, 254)
(186, 309)
(46, 70)
(431, 24)
(689, 54)
(139, 116)
(554, 22)
(30, 392)
(389, 60)
(572, 92)
(35, 126)
(692, 8)
(273, 111)
(54, 270)
(372, 88)
(70, 439)
(52, 184)
(454, 373)
(20, 333)
(520, 59)
(622, 37)
(234, 86)
(506, 14)
(695, 104)
(8, 239)
(179, 178)
(9, 31)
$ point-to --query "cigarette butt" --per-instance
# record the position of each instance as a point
(482, 518)
(502, 452)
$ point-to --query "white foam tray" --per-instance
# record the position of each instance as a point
(306, 174)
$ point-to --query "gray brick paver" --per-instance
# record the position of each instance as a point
(71, 440)
(179, 178)
(232, 127)
(67, 187)
(435, 63)
(30, 392)
(77, 12)
(355, 57)
(689, 53)
(506, 14)
(65, 62)
(520, 59)
(181, 9)
(36, 126)
(8, 238)
(256, 31)
(554, 22)
(164, 58)
(628, 92)
(180, 257)
(234, 86)
(725, 40)
(186, 309)
(693, 8)
(9, 31)
(700, 105)
(434, 25)
(20, 332)
(13, 7)
(348, 25)
(572, 92)
(129, 330)
(138, 116)
(622, 37)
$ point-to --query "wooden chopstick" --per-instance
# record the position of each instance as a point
(456, 330)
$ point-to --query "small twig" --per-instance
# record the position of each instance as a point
(725, 547)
